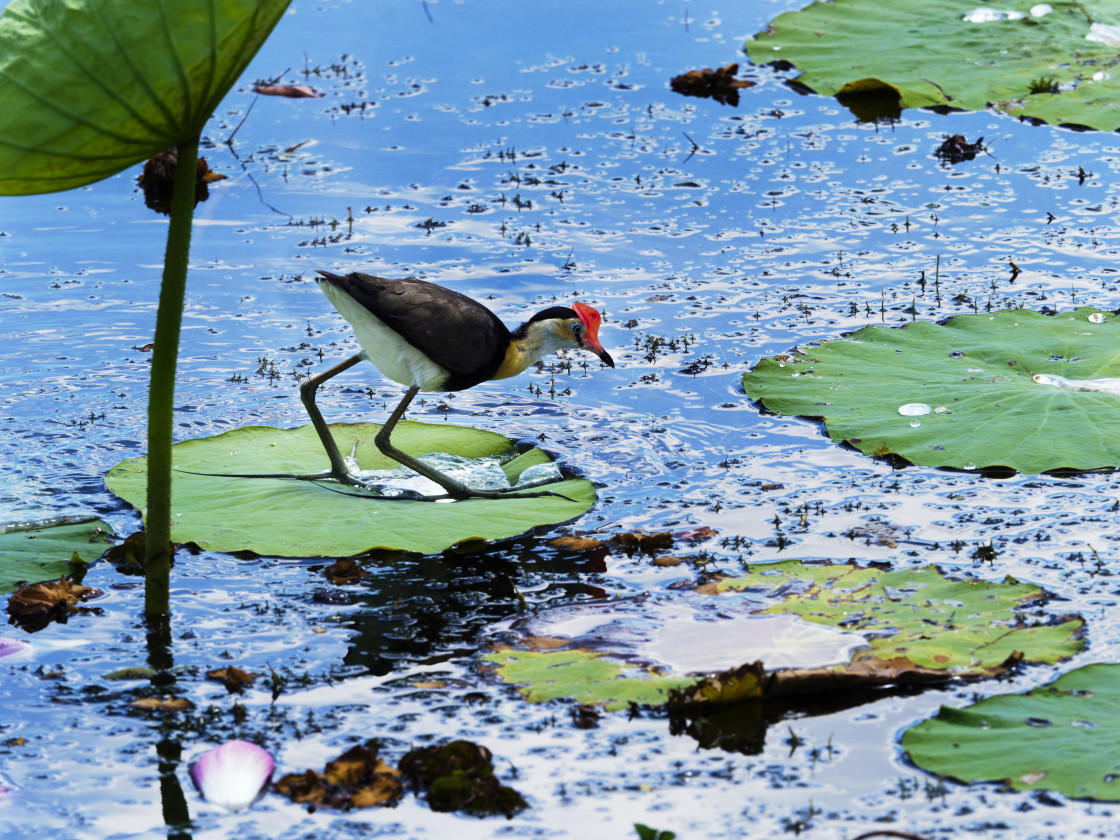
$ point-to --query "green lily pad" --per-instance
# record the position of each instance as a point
(88, 88)
(1055, 67)
(287, 517)
(1007, 389)
(40, 552)
(784, 629)
(1057, 737)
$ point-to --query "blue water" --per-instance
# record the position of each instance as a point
(526, 154)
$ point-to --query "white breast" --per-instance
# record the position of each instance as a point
(385, 347)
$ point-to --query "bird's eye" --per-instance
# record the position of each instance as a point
(577, 330)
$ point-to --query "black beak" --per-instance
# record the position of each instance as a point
(603, 355)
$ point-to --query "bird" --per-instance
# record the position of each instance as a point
(428, 337)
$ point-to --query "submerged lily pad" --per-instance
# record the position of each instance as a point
(1057, 737)
(287, 517)
(1052, 62)
(786, 628)
(979, 391)
(40, 552)
(917, 617)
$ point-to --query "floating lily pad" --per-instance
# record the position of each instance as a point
(36, 553)
(980, 391)
(90, 88)
(786, 628)
(287, 517)
(1058, 737)
(1055, 66)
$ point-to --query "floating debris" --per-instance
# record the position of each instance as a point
(957, 149)
(290, 91)
(721, 85)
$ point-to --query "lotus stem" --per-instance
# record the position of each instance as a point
(161, 391)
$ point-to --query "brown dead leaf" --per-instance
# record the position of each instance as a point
(667, 560)
(344, 571)
(754, 682)
(232, 677)
(302, 787)
(290, 91)
(575, 543)
(34, 606)
(356, 779)
(162, 704)
(721, 84)
(158, 180)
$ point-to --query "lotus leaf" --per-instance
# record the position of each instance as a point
(1055, 737)
(287, 517)
(35, 553)
(91, 88)
(1007, 389)
(1049, 65)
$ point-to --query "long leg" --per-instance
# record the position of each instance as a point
(307, 394)
(454, 488)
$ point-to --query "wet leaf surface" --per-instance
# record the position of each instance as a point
(971, 393)
(1027, 59)
(30, 553)
(1048, 738)
(287, 517)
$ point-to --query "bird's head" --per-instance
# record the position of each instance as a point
(555, 328)
(585, 331)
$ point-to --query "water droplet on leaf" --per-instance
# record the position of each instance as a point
(914, 409)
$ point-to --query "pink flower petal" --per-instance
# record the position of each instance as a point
(232, 775)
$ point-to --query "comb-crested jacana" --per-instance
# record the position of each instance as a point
(430, 338)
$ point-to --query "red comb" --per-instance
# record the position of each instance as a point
(590, 317)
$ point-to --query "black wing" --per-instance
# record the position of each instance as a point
(457, 333)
